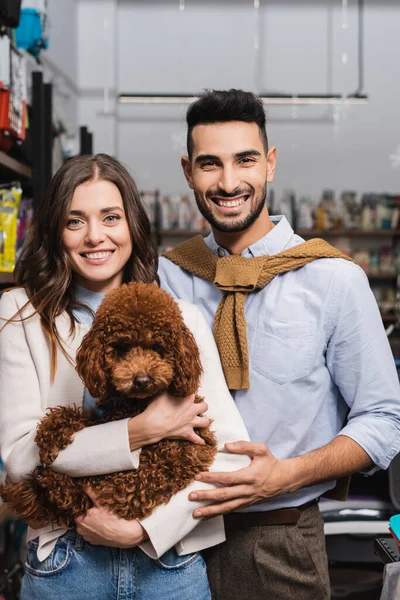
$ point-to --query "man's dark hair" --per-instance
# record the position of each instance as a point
(222, 106)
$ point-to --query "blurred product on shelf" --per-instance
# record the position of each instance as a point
(177, 213)
(169, 212)
(375, 260)
(149, 201)
(10, 198)
(386, 299)
(32, 33)
(305, 214)
(15, 212)
(350, 210)
(186, 213)
(361, 257)
(25, 213)
(369, 213)
(343, 244)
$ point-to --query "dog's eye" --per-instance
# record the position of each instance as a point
(157, 348)
(122, 348)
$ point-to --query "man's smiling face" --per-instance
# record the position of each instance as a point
(228, 172)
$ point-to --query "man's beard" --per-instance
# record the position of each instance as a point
(231, 226)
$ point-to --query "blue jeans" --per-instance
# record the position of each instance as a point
(76, 570)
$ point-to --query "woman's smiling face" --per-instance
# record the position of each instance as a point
(96, 236)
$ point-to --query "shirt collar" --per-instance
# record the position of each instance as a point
(89, 299)
(273, 242)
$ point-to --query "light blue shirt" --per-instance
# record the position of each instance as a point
(317, 349)
(85, 317)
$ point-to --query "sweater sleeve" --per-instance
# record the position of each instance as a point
(169, 524)
(94, 451)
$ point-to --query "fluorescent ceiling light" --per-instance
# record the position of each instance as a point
(273, 99)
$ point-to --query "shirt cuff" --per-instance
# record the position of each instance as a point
(380, 444)
(98, 450)
(207, 534)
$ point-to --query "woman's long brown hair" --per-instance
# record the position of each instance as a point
(43, 268)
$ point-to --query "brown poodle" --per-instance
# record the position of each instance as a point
(137, 348)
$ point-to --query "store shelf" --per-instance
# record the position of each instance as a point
(302, 232)
(348, 233)
(6, 278)
(15, 166)
(382, 276)
(388, 318)
(183, 232)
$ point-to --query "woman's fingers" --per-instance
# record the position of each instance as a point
(201, 422)
(200, 407)
(194, 438)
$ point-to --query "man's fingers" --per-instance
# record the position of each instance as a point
(213, 510)
(249, 448)
(242, 476)
(223, 494)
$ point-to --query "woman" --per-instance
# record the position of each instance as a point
(90, 235)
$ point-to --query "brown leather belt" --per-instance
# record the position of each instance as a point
(281, 516)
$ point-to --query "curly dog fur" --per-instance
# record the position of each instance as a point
(137, 348)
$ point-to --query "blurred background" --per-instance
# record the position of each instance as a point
(116, 76)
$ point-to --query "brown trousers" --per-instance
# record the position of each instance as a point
(273, 562)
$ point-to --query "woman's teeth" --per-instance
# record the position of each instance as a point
(95, 255)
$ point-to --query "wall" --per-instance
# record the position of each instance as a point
(61, 60)
(151, 46)
(97, 31)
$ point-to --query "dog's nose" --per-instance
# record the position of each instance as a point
(142, 381)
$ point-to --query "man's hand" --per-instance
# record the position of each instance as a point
(267, 476)
(264, 478)
(99, 526)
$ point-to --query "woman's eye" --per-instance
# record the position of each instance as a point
(112, 218)
(74, 222)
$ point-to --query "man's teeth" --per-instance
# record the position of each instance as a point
(230, 203)
(98, 254)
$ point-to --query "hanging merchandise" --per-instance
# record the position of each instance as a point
(32, 33)
(10, 199)
(13, 98)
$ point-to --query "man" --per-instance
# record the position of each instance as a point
(314, 351)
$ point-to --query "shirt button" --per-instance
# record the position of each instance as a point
(221, 252)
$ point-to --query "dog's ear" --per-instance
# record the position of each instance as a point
(91, 362)
(187, 364)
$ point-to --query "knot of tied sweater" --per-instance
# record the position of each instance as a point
(232, 276)
(237, 277)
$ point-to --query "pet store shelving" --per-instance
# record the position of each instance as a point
(14, 167)
(35, 177)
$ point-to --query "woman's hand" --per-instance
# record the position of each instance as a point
(168, 417)
(99, 526)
